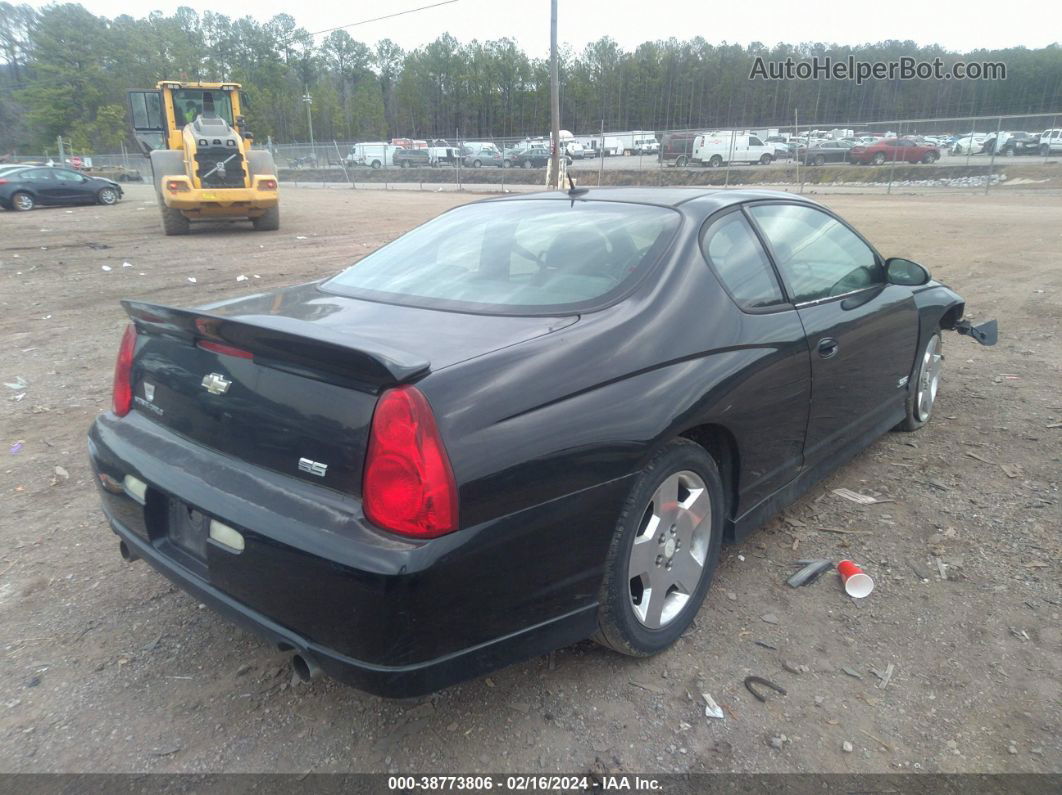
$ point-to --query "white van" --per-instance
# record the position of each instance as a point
(375, 154)
(715, 149)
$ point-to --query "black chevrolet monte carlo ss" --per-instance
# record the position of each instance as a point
(530, 421)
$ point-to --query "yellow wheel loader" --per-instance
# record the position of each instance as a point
(201, 157)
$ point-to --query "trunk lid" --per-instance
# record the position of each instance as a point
(289, 380)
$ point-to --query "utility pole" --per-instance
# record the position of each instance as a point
(554, 95)
(309, 123)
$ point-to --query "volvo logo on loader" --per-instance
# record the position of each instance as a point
(216, 384)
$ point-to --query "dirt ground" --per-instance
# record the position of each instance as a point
(105, 666)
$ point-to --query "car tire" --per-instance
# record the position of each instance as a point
(1045, 150)
(107, 196)
(929, 158)
(507, 164)
(376, 164)
(173, 221)
(922, 394)
(879, 159)
(476, 164)
(715, 161)
(23, 202)
(765, 160)
(404, 164)
(527, 164)
(682, 161)
(630, 620)
(819, 160)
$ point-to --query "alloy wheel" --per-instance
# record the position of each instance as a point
(670, 549)
(929, 378)
(23, 201)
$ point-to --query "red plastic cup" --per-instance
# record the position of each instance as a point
(857, 583)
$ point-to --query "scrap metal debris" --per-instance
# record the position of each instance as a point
(812, 570)
(711, 709)
(759, 680)
(859, 499)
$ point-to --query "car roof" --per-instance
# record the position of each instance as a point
(662, 197)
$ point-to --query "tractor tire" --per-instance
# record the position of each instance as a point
(166, 163)
(173, 221)
(269, 221)
(260, 163)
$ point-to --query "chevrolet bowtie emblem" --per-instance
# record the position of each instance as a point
(216, 384)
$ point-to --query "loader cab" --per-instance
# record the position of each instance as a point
(160, 116)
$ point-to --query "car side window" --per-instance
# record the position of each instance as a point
(735, 252)
(818, 256)
(38, 175)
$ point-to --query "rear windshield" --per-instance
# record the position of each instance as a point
(516, 256)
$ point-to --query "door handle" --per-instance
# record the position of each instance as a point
(827, 347)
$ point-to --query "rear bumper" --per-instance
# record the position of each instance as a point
(221, 202)
(391, 617)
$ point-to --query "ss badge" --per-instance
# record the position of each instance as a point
(313, 467)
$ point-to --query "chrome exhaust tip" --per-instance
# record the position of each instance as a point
(305, 668)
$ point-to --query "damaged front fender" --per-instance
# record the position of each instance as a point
(986, 333)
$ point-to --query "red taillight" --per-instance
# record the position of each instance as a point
(3, 181)
(227, 350)
(268, 184)
(177, 186)
(408, 486)
(123, 366)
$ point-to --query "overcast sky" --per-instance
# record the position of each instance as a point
(956, 24)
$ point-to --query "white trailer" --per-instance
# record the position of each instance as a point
(636, 142)
(613, 146)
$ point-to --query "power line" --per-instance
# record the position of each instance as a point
(386, 16)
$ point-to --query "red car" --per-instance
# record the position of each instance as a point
(910, 149)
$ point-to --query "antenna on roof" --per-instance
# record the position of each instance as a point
(574, 191)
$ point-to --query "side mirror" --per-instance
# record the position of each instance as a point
(905, 272)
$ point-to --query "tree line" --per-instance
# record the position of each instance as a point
(65, 71)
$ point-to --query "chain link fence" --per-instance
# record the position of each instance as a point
(968, 152)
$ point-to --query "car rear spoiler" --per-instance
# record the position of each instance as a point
(286, 343)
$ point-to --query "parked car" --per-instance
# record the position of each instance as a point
(826, 152)
(715, 149)
(574, 150)
(411, 158)
(25, 188)
(1051, 142)
(388, 488)
(969, 144)
(477, 155)
(533, 157)
(676, 148)
(1010, 144)
(893, 149)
